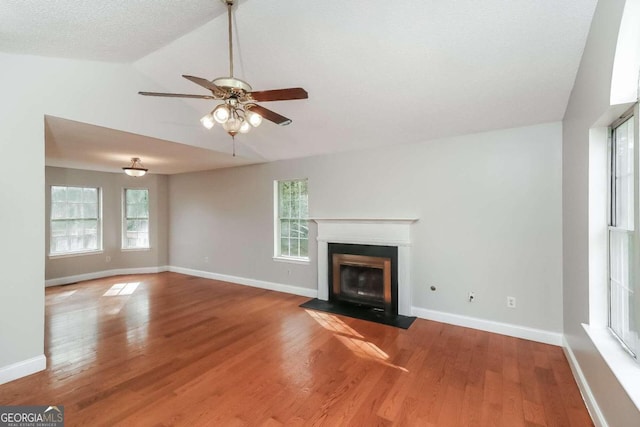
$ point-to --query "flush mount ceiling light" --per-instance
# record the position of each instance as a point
(238, 113)
(135, 169)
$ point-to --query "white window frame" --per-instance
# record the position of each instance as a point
(617, 320)
(278, 256)
(124, 239)
(99, 230)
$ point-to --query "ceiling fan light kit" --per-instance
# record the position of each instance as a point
(238, 112)
(233, 116)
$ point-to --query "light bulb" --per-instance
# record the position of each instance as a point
(207, 121)
(245, 127)
(254, 118)
(221, 113)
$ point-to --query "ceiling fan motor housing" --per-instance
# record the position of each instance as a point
(232, 83)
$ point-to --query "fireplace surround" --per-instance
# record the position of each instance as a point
(393, 232)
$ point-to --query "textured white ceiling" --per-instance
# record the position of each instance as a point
(388, 72)
(106, 30)
(378, 72)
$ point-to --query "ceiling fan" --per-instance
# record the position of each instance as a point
(239, 112)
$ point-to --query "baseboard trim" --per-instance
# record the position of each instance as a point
(539, 335)
(22, 368)
(583, 385)
(104, 273)
(272, 286)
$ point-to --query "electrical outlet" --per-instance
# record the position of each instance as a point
(511, 302)
(206, 260)
(472, 296)
(107, 259)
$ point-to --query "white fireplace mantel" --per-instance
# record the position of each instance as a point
(367, 231)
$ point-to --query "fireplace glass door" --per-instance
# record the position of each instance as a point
(361, 279)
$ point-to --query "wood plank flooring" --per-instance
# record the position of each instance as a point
(169, 349)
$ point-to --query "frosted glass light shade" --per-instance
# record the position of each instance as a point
(135, 172)
(245, 127)
(207, 121)
(254, 118)
(221, 113)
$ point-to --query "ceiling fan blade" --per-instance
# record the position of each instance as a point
(177, 95)
(204, 83)
(269, 115)
(279, 94)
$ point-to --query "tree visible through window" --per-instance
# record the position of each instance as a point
(624, 302)
(75, 220)
(136, 219)
(292, 236)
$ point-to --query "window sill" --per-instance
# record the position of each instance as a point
(303, 261)
(75, 254)
(624, 367)
(135, 249)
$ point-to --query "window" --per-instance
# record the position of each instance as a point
(75, 220)
(292, 229)
(624, 303)
(135, 233)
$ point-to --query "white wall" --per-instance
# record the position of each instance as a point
(91, 92)
(488, 206)
(112, 185)
(21, 261)
(589, 103)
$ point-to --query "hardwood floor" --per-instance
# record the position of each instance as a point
(169, 349)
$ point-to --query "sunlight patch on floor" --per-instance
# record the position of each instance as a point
(119, 289)
(66, 294)
(351, 339)
(332, 323)
(122, 289)
(57, 297)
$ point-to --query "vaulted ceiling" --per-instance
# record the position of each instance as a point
(377, 72)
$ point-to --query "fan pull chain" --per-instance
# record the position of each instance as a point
(233, 138)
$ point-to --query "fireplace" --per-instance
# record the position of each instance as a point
(364, 275)
(385, 232)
